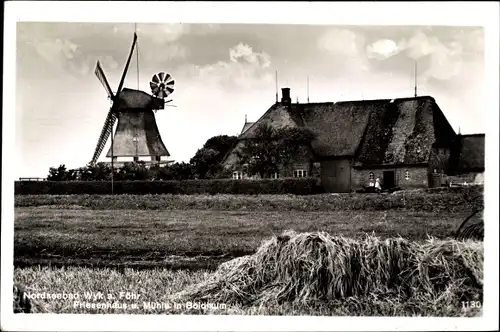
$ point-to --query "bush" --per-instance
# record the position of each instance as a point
(61, 174)
(186, 187)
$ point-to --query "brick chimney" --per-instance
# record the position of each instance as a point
(285, 96)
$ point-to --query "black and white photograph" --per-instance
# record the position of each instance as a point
(219, 168)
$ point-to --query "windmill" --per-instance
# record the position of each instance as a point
(137, 133)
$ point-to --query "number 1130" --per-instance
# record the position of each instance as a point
(466, 305)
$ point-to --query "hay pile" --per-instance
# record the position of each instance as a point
(20, 302)
(305, 267)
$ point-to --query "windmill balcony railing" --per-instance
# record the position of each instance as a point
(32, 179)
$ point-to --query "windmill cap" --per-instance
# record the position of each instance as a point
(136, 99)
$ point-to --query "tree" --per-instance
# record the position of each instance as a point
(207, 162)
(164, 173)
(133, 171)
(175, 171)
(271, 149)
(61, 174)
(169, 172)
(259, 154)
(181, 171)
(98, 172)
(290, 141)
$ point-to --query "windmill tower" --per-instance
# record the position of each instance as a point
(137, 133)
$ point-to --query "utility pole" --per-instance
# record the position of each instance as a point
(112, 162)
(137, 55)
(308, 89)
(276, 86)
(415, 78)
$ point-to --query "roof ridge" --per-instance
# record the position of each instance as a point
(366, 100)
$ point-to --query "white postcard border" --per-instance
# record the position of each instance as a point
(367, 13)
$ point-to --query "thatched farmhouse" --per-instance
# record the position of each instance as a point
(406, 143)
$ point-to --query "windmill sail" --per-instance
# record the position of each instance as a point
(105, 132)
(100, 75)
(120, 86)
(111, 117)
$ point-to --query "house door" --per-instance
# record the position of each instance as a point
(336, 175)
(389, 180)
(435, 180)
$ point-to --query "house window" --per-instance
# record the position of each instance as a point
(371, 176)
(275, 175)
(237, 175)
(407, 175)
(299, 173)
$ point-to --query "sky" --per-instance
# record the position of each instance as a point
(224, 72)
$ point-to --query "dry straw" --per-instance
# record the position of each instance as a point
(308, 267)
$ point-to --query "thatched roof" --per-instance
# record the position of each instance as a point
(403, 133)
(471, 153)
(339, 126)
(373, 132)
(277, 116)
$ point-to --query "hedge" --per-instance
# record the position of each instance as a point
(304, 186)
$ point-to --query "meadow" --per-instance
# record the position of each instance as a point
(431, 200)
(194, 238)
(162, 246)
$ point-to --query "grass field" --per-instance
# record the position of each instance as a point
(156, 238)
(157, 285)
(156, 246)
(436, 290)
(430, 200)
